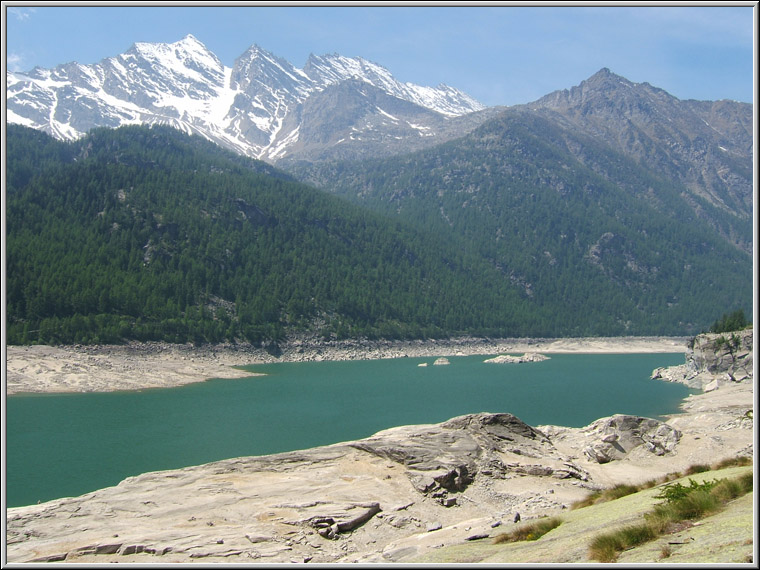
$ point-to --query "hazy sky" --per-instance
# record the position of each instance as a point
(499, 54)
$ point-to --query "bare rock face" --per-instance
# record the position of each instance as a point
(355, 501)
(713, 360)
(446, 457)
(614, 437)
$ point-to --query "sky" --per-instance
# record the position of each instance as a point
(499, 54)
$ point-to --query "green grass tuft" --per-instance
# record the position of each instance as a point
(733, 462)
(698, 468)
(530, 531)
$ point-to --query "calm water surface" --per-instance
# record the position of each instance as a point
(69, 444)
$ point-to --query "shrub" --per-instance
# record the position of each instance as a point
(747, 481)
(620, 490)
(675, 492)
(693, 505)
(587, 502)
(681, 503)
(637, 534)
(605, 547)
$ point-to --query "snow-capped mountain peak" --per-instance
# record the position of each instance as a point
(252, 107)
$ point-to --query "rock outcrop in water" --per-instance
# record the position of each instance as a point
(509, 359)
(713, 360)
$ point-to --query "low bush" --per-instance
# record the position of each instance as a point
(620, 490)
(590, 499)
(605, 547)
(677, 491)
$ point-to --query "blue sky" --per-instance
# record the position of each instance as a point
(501, 55)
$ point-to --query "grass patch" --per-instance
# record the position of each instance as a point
(698, 468)
(621, 490)
(733, 462)
(680, 503)
(530, 531)
(606, 547)
(693, 506)
(589, 500)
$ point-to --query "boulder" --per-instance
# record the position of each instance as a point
(448, 456)
(614, 437)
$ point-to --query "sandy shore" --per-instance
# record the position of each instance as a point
(138, 366)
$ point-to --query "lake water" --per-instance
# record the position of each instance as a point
(68, 444)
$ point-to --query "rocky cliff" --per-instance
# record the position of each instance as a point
(713, 360)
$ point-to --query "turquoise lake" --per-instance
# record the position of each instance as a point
(65, 445)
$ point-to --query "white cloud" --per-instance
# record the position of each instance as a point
(22, 13)
(14, 61)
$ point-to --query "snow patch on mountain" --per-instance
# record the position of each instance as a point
(183, 84)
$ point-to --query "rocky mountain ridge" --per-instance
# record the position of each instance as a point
(250, 107)
(704, 145)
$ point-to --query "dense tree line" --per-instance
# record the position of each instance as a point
(146, 233)
(730, 322)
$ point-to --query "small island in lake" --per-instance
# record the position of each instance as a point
(508, 359)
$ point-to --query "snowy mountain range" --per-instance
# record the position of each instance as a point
(257, 107)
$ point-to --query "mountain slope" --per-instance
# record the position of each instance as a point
(186, 86)
(566, 218)
(706, 146)
(148, 233)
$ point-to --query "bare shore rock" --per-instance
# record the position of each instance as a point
(391, 497)
(137, 366)
(509, 359)
(387, 498)
(713, 360)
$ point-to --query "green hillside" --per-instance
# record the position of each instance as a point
(149, 234)
(146, 233)
(603, 245)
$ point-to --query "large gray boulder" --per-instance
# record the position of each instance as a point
(446, 457)
(615, 437)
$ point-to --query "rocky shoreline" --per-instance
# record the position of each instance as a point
(138, 366)
(392, 497)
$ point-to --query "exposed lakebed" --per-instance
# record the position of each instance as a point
(68, 444)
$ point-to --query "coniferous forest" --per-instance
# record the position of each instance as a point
(146, 233)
